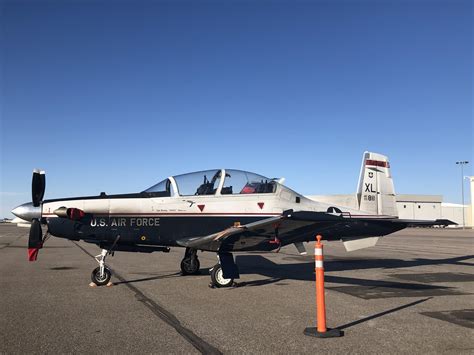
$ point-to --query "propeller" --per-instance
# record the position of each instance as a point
(35, 241)
(38, 185)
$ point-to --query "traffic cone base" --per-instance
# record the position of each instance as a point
(329, 333)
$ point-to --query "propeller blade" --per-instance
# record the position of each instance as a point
(35, 241)
(38, 185)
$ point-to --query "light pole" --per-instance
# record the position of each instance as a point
(462, 163)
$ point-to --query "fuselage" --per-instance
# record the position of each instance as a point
(177, 208)
(143, 220)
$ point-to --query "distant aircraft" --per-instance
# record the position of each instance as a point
(222, 211)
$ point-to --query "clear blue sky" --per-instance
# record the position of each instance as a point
(116, 95)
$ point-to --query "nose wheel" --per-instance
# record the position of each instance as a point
(101, 278)
(101, 275)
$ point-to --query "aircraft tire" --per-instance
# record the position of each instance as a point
(217, 277)
(98, 280)
(187, 268)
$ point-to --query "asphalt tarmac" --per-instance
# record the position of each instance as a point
(412, 293)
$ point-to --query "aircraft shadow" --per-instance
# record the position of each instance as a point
(275, 273)
(260, 262)
(339, 265)
(304, 271)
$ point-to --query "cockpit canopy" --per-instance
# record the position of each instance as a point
(214, 182)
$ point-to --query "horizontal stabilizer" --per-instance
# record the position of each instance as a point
(428, 223)
(361, 243)
(301, 248)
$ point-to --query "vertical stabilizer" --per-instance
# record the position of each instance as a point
(375, 193)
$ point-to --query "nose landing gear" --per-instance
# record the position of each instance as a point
(101, 275)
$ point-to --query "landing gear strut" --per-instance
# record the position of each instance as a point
(190, 264)
(101, 274)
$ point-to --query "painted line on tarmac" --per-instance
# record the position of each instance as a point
(164, 315)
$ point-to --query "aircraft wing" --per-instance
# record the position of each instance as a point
(296, 227)
(214, 242)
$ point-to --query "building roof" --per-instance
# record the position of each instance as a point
(419, 198)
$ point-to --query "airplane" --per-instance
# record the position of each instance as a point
(20, 222)
(222, 211)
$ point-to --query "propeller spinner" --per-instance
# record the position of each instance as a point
(32, 212)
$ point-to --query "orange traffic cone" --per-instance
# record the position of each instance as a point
(321, 331)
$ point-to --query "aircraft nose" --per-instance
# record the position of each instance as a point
(27, 211)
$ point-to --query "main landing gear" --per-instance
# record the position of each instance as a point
(190, 264)
(217, 277)
(101, 274)
(224, 272)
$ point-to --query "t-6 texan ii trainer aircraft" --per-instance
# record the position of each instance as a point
(221, 211)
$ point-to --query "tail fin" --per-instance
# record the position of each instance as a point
(375, 192)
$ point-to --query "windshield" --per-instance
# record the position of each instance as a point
(163, 188)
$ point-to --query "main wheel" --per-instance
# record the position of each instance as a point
(190, 266)
(101, 280)
(217, 277)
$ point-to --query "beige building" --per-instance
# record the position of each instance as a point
(419, 206)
